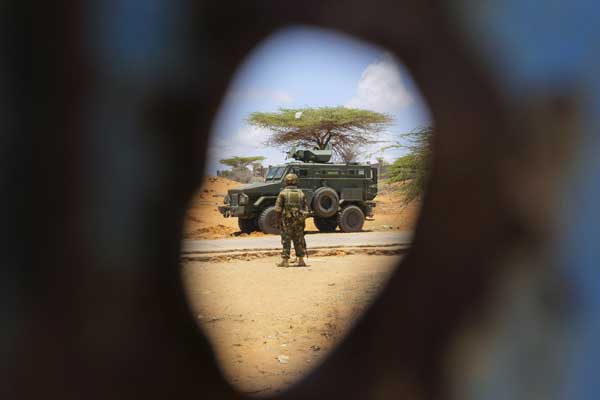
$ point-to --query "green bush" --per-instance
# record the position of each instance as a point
(412, 170)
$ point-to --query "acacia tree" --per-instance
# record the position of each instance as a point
(239, 167)
(413, 169)
(343, 129)
(240, 162)
(349, 154)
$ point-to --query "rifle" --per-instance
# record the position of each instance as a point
(304, 245)
(304, 215)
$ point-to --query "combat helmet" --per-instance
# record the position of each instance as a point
(291, 179)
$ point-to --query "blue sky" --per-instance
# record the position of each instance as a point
(305, 67)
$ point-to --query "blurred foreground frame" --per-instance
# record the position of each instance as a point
(107, 107)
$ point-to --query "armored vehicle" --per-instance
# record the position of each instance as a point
(339, 195)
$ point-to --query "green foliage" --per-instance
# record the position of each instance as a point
(413, 169)
(240, 162)
(344, 129)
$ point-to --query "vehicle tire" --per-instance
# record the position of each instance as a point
(325, 202)
(248, 225)
(266, 221)
(351, 219)
(326, 224)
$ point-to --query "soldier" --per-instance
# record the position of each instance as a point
(291, 209)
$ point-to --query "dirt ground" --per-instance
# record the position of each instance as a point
(203, 220)
(270, 326)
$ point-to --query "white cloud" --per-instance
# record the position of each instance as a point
(278, 96)
(247, 141)
(250, 137)
(381, 87)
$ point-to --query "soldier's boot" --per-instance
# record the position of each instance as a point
(283, 263)
(301, 262)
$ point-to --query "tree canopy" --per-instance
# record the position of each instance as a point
(349, 154)
(241, 162)
(343, 129)
(413, 169)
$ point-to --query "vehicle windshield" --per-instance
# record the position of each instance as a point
(275, 173)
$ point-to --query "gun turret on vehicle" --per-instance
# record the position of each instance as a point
(316, 156)
(339, 195)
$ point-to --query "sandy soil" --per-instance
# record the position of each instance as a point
(203, 220)
(270, 326)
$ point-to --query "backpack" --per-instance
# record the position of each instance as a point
(293, 203)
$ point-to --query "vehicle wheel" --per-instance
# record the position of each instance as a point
(266, 221)
(326, 224)
(248, 225)
(325, 202)
(351, 219)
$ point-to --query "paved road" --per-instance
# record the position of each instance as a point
(314, 241)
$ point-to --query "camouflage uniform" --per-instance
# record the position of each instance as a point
(291, 207)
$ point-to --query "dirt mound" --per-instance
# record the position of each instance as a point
(218, 184)
(203, 220)
(213, 190)
(210, 232)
